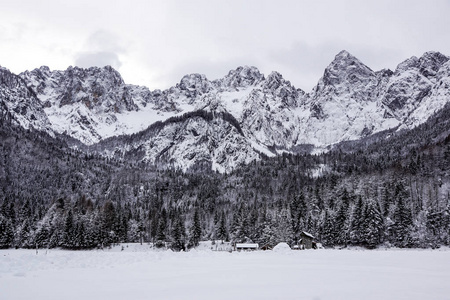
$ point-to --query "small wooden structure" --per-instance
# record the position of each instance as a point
(266, 247)
(307, 241)
(246, 247)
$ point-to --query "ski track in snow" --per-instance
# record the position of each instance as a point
(141, 273)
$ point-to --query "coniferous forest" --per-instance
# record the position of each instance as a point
(392, 189)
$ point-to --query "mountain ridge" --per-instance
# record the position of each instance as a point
(349, 102)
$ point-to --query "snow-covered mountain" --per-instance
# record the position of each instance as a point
(21, 102)
(238, 116)
(95, 103)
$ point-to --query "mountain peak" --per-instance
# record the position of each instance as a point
(430, 62)
(344, 54)
(194, 84)
(243, 76)
(346, 68)
(106, 73)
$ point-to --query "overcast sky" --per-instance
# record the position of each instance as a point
(155, 43)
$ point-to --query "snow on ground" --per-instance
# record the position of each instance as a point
(139, 272)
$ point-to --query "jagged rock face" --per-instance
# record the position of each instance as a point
(94, 87)
(242, 77)
(343, 105)
(350, 101)
(197, 141)
(211, 138)
(21, 102)
(194, 85)
(345, 72)
(436, 98)
(86, 103)
(412, 81)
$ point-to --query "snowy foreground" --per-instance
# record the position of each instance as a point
(138, 272)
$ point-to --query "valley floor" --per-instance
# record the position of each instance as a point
(137, 272)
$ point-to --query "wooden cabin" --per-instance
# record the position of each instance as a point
(307, 241)
(266, 247)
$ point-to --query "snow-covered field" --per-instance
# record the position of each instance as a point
(138, 272)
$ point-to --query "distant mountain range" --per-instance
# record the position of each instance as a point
(226, 122)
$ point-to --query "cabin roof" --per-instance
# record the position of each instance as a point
(308, 234)
(246, 245)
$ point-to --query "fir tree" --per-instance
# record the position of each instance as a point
(161, 233)
(6, 233)
(401, 227)
(283, 229)
(373, 226)
(195, 233)
(69, 231)
(221, 230)
(178, 235)
(357, 223)
(327, 230)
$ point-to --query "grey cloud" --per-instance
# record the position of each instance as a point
(102, 48)
(98, 59)
(105, 40)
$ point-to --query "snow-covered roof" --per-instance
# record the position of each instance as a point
(246, 245)
(308, 234)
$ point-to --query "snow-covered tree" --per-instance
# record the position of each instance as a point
(195, 233)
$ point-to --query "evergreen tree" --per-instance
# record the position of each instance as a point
(195, 233)
(340, 225)
(298, 210)
(80, 234)
(401, 227)
(221, 229)
(161, 233)
(108, 222)
(327, 230)
(69, 231)
(283, 229)
(8, 211)
(373, 225)
(268, 237)
(6, 233)
(357, 223)
(178, 235)
(240, 226)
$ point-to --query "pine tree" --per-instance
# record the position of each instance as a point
(6, 233)
(357, 223)
(240, 227)
(401, 227)
(283, 229)
(108, 222)
(221, 230)
(340, 225)
(268, 237)
(8, 211)
(69, 231)
(178, 235)
(327, 229)
(195, 233)
(161, 233)
(298, 210)
(80, 234)
(373, 226)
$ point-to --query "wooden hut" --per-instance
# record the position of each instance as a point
(307, 241)
(266, 247)
(246, 247)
